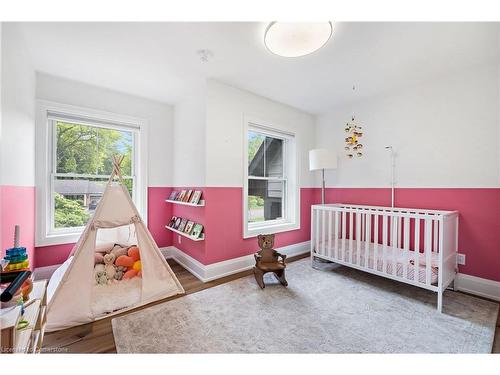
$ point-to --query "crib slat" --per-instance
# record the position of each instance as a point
(384, 243)
(368, 223)
(316, 216)
(394, 243)
(399, 244)
(330, 224)
(358, 238)
(406, 246)
(351, 231)
(435, 235)
(375, 241)
(416, 266)
(337, 224)
(344, 230)
(323, 232)
(428, 250)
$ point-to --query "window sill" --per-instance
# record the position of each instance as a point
(270, 229)
(58, 239)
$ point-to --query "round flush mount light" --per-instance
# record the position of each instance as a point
(294, 39)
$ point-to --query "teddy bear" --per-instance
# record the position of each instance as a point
(100, 274)
(120, 271)
(109, 267)
(119, 250)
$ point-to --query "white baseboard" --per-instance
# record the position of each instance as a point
(478, 286)
(227, 267)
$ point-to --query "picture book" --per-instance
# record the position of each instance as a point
(195, 198)
(182, 225)
(189, 227)
(197, 230)
(187, 196)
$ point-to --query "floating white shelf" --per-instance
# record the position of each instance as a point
(201, 238)
(201, 203)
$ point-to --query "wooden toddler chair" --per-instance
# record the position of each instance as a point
(269, 260)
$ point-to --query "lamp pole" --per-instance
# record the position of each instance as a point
(323, 187)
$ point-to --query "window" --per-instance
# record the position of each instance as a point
(271, 199)
(76, 166)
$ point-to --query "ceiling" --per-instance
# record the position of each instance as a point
(159, 60)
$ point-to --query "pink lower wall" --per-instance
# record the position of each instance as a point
(479, 223)
(224, 217)
(479, 220)
(17, 206)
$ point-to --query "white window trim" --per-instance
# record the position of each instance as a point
(43, 145)
(292, 222)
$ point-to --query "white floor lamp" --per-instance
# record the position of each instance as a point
(321, 159)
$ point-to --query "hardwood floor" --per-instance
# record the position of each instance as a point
(97, 337)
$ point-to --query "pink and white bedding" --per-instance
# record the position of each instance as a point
(398, 258)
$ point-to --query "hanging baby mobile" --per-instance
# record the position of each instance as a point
(353, 146)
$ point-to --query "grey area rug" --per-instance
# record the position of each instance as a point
(331, 310)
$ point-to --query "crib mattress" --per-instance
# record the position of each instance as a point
(392, 256)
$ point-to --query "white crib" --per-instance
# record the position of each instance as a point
(417, 247)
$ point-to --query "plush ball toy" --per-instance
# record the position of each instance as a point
(137, 266)
(124, 261)
(134, 253)
(99, 274)
(129, 274)
(98, 258)
(109, 267)
(118, 251)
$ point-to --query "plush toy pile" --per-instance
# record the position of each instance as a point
(116, 263)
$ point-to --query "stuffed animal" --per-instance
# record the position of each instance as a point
(118, 251)
(98, 258)
(119, 275)
(137, 266)
(134, 253)
(109, 266)
(124, 261)
(99, 274)
(129, 274)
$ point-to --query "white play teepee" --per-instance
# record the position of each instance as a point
(72, 290)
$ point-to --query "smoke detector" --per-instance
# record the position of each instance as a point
(205, 55)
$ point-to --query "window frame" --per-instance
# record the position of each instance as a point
(291, 199)
(46, 171)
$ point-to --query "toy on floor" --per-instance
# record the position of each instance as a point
(100, 274)
(16, 259)
(109, 266)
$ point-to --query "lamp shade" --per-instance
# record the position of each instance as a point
(321, 158)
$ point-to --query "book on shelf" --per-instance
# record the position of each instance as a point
(195, 198)
(182, 225)
(187, 196)
(197, 230)
(181, 195)
(189, 227)
(177, 223)
(172, 221)
(172, 196)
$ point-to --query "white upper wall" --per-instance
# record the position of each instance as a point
(189, 141)
(159, 116)
(226, 109)
(17, 146)
(445, 134)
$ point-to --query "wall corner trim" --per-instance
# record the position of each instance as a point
(228, 267)
(478, 286)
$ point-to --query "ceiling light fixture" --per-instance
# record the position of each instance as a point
(294, 39)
